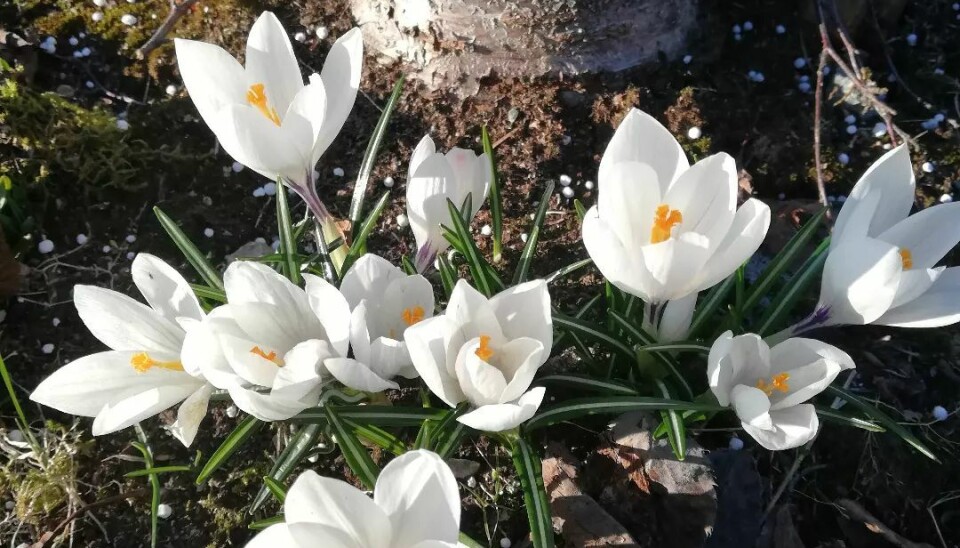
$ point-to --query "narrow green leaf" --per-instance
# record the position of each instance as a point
(21, 417)
(235, 440)
(885, 420)
(471, 253)
(581, 211)
(291, 456)
(527, 464)
(144, 448)
(449, 443)
(408, 266)
(848, 420)
(496, 202)
(648, 345)
(360, 240)
(523, 268)
(353, 451)
(708, 306)
(278, 491)
(158, 470)
(592, 332)
(265, 522)
(207, 292)
(787, 298)
(370, 155)
(378, 436)
(381, 415)
(448, 276)
(288, 246)
(561, 272)
(190, 251)
(589, 384)
(611, 405)
(581, 313)
(676, 432)
(469, 542)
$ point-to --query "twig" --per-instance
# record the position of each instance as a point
(817, 115)
(177, 10)
(140, 493)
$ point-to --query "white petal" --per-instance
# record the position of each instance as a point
(252, 139)
(914, 234)
(424, 149)
(191, 412)
(427, 193)
(472, 312)
(301, 374)
(304, 121)
(360, 332)
(752, 406)
(339, 505)
(481, 382)
(798, 352)
(404, 293)
(706, 196)
(428, 351)
(368, 278)
(792, 427)
(676, 319)
(312, 535)
(640, 138)
(913, 283)
(246, 362)
(202, 355)
(618, 265)
(332, 310)
(470, 178)
(860, 280)
(275, 536)
(123, 323)
(504, 416)
(164, 288)
(742, 240)
(674, 265)
(937, 307)
(891, 175)
(749, 358)
(121, 413)
(356, 375)
(720, 368)
(270, 61)
(524, 311)
(253, 282)
(213, 78)
(272, 328)
(519, 361)
(628, 199)
(419, 494)
(389, 358)
(341, 78)
(270, 407)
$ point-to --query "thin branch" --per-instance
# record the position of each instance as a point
(817, 122)
(177, 10)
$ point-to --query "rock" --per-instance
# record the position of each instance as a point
(463, 468)
(572, 98)
(780, 532)
(739, 499)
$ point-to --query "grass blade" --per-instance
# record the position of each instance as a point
(353, 451)
(589, 384)
(676, 431)
(527, 464)
(523, 268)
(265, 522)
(471, 253)
(370, 155)
(288, 246)
(561, 272)
(291, 456)
(648, 345)
(278, 491)
(380, 437)
(448, 276)
(381, 415)
(360, 239)
(611, 405)
(848, 420)
(496, 202)
(592, 332)
(709, 305)
(158, 470)
(207, 292)
(144, 449)
(235, 440)
(190, 251)
(787, 298)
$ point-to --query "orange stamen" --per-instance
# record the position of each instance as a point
(907, 258)
(257, 97)
(142, 362)
(271, 357)
(663, 223)
(484, 352)
(777, 383)
(412, 315)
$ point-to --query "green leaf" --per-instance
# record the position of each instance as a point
(353, 451)
(381, 415)
(448, 276)
(496, 202)
(291, 456)
(288, 246)
(885, 420)
(158, 470)
(265, 522)
(370, 156)
(378, 436)
(789, 253)
(581, 211)
(589, 384)
(449, 443)
(235, 440)
(676, 432)
(470, 251)
(527, 464)
(190, 251)
(648, 345)
(581, 313)
(21, 417)
(144, 449)
(207, 292)
(523, 268)
(781, 306)
(278, 491)
(359, 242)
(408, 266)
(561, 272)
(611, 405)
(709, 305)
(592, 332)
(469, 542)
(848, 420)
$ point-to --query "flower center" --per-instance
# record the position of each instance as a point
(906, 258)
(663, 223)
(777, 382)
(142, 362)
(257, 97)
(484, 352)
(271, 357)
(412, 315)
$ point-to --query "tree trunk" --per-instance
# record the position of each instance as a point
(454, 43)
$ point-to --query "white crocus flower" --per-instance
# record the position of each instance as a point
(416, 504)
(486, 352)
(432, 179)
(663, 229)
(275, 345)
(674, 322)
(385, 301)
(262, 113)
(142, 373)
(882, 267)
(767, 387)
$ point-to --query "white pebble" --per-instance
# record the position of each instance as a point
(566, 140)
(565, 180)
(912, 39)
(843, 158)
(939, 413)
(928, 167)
(799, 63)
(56, 322)
(86, 52)
(10, 505)
(850, 119)
(939, 71)
(48, 348)
(505, 543)
(737, 29)
(89, 84)
(130, 255)
(97, 16)
(956, 6)
(694, 133)
(486, 230)
(131, 238)
(259, 192)
(567, 192)
(781, 196)
(208, 232)
(588, 185)
(879, 130)
(106, 249)
(804, 87)
(736, 443)
(171, 90)
(45, 246)
(687, 59)
(930, 124)
(99, 3)
(946, 198)
(322, 32)
(402, 220)
(388, 182)
(300, 36)
(523, 237)
(338, 172)
(748, 25)
(164, 511)
(73, 41)
(123, 125)
(15, 435)
(237, 167)
(77, 54)
(270, 189)
(232, 411)
(128, 19)
(471, 482)
(781, 29)
(939, 117)
(851, 129)
(260, 240)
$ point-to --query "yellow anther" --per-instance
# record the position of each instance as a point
(906, 258)
(777, 382)
(663, 223)
(271, 357)
(412, 315)
(257, 97)
(142, 362)
(484, 352)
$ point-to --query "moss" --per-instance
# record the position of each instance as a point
(225, 521)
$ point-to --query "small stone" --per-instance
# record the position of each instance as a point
(171, 90)
(106, 249)
(939, 117)
(48, 348)
(402, 220)
(939, 71)
(505, 543)
(523, 237)
(338, 172)
(237, 167)
(851, 129)
(97, 16)
(322, 32)
(388, 182)
(123, 125)
(471, 482)
(128, 19)
(912, 39)
(89, 84)
(164, 511)
(748, 25)
(736, 443)
(956, 6)
(879, 130)
(928, 167)
(566, 140)
(780, 29)
(486, 230)
(270, 189)
(259, 192)
(130, 255)
(99, 3)
(56, 322)
(16, 436)
(843, 158)
(565, 180)
(77, 54)
(781, 196)
(45, 246)
(799, 63)
(86, 52)
(300, 36)
(208, 232)
(939, 413)
(131, 238)
(946, 198)
(687, 59)
(10, 505)
(567, 192)
(694, 133)
(841, 198)
(588, 185)
(232, 411)
(804, 87)
(850, 119)
(73, 41)
(737, 29)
